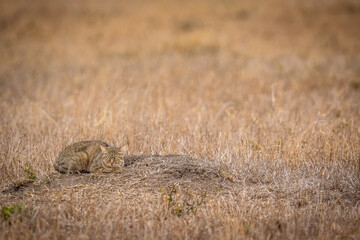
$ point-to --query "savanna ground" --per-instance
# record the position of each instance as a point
(261, 100)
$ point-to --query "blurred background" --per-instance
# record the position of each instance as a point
(95, 35)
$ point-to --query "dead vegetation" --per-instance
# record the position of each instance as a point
(257, 104)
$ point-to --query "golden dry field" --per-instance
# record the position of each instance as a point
(258, 103)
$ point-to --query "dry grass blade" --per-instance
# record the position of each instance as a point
(241, 118)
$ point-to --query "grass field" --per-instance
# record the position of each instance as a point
(260, 100)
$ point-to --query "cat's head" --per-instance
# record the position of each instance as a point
(112, 157)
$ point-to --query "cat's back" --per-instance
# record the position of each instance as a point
(84, 146)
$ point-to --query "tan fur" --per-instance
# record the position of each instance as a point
(90, 156)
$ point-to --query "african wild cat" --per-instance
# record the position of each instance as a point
(90, 156)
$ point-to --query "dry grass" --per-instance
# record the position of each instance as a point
(260, 100)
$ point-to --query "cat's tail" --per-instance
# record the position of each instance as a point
(64, 170)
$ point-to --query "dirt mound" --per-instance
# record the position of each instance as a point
(145, 172)
(176, 169)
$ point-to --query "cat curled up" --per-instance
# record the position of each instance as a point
(90, 156)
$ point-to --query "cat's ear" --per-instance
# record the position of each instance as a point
(103, 148)
(124, 148)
